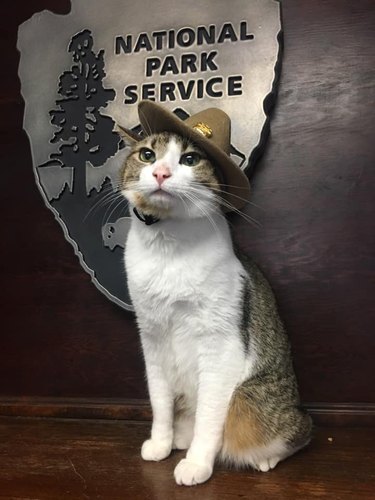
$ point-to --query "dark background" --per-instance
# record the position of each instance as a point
(314, 191)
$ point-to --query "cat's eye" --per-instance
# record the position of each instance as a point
(147, 155)
(190, 159)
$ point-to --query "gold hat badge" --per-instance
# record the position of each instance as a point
(203, 129)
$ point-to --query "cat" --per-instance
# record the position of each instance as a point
(217, 357)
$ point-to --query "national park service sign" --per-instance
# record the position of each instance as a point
(83, 72)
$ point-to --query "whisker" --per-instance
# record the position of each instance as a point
(246, 217)
(211, 205)
(107, 219)
(232, 185)
(231, 194)
(228, 205)
(205, 212)
(104, 200)
(183, 201)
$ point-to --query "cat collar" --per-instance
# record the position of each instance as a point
(146, 219)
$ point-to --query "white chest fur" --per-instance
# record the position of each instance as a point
(185, 283)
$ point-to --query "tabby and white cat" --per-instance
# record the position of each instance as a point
(218, 361)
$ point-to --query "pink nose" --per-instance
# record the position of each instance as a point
(161, 173)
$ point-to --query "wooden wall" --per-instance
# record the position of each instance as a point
(64, 345)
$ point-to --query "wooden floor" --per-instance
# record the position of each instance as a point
(58, 459)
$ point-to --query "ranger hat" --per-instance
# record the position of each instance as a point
(210, 130)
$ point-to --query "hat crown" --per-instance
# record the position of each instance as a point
(210, 129)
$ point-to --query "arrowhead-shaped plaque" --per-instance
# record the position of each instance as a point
(83, 72)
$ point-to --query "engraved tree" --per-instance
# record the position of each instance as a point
(87, 161)
(83, 133)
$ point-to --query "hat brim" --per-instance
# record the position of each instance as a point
(235, 187)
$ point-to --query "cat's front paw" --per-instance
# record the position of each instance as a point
(189, 473)
(156, 450)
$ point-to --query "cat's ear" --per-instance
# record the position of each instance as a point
(128, 136)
